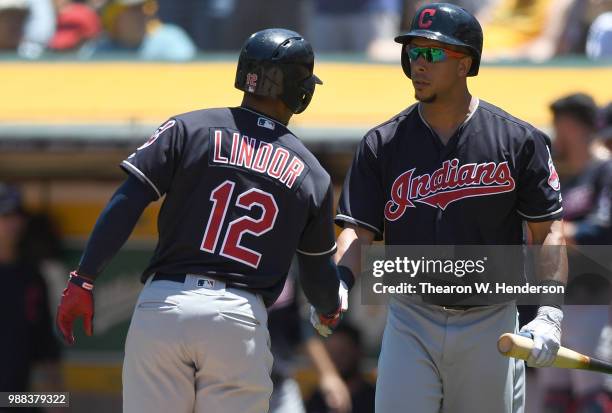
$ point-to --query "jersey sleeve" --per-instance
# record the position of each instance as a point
(539, 191)
(362, 201)
(155, 161)
(318, 237)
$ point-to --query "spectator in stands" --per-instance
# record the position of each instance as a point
(355, 26)
(77, 24)
(524, 29)
(131, 26)
(518, 29)
(24, 308)
(203, 20)
(580, 17)
(13, 15)
(480, 8)
(249, 16)
(224, 24)
(586, 186)
(584, 179)
(599, 41)
(287, 335)
(344, 347)
(38, 30)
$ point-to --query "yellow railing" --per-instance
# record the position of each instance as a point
(353, 94)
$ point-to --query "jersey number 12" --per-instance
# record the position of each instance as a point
(231, 248)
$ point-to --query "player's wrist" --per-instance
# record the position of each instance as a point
(550, 313)
(330, 317)
(345, 274)
(552, 299)
(82, 281)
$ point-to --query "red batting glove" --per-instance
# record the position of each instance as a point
(326, 323)
(77, 301)
(331, 320)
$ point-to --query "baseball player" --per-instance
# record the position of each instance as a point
(242, 195)
(414, 181)
(587, 192)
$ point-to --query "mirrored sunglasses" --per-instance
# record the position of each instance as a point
(432, 54)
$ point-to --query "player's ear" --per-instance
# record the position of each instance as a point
(464, 66)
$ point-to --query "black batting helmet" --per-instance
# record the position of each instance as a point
(448, 24)
(278, 63)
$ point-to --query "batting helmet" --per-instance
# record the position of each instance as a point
(278, 63)
(448, 24)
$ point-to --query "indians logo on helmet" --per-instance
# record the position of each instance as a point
(447, 184)
(251, 82)
(426, 13)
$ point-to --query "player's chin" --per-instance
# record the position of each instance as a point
(425, 98)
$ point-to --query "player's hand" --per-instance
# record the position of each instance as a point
(546, 331)
(77, 301)
(337, 396)
(326, 323)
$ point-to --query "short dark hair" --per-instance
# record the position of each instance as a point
(579, 106)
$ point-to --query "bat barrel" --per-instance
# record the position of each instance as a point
(600, 366)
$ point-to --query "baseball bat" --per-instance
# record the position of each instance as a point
(519, 346)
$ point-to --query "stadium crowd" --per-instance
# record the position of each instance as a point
(176, 30)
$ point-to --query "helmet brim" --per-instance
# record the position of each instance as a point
(428, 34)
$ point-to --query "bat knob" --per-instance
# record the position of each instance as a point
(504, 344)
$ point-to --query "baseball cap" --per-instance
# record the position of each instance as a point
(10, 200)
(75, 24)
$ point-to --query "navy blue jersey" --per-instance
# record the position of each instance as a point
(587, 201)
(242, 194)
(495, 172)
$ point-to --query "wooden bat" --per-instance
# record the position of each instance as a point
(519, 346)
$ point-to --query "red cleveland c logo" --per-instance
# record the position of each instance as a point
(426, 12)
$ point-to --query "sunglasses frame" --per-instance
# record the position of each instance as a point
(425, 51)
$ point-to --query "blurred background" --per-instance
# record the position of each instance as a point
(83, 83)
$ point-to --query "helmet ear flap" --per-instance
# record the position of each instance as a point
(306, 91)
(475, 65)
(298, 98)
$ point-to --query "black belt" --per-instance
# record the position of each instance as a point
(448, 307)
(459, 307)
(179, 278)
